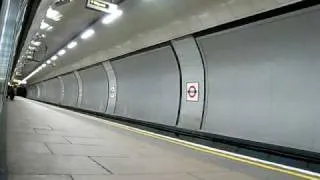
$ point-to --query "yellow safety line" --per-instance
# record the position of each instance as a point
(227, 156)
(210, 151)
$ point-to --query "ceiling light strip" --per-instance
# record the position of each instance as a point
(56, 16)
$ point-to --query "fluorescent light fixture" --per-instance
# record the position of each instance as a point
(53, 14)
(32, 48)
(72, 44)
(103, 6)
(35, 43)
(112, 17)
(48, 61)
(88, 33)
(39, 69)
(53, 58)
(45, 26)
(61, 52)
(34, 72)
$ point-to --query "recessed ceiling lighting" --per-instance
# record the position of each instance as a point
(72, 44)
(88, 33)
(111, 17)
(23, 82)
(53, 14)
(32, 48)
(53, 58)
(61, 52)
(35, 43)
(45, 26)
(48, 61)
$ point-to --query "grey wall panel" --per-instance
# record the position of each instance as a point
(148, 86)
(34, 92)
(42, 91)
(31, 92)
(71, 89)
(53, 90)
(192, 72)
(33, 95)
(95, 88)
(46, 87)
(46, 91)
(264, 81)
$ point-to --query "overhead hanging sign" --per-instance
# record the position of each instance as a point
(102, 5)
(193, 91)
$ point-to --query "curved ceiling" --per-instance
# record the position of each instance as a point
(75, 17)
(144, 23)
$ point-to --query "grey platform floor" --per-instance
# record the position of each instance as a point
(47, 142)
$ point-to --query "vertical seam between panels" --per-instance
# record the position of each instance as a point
(74, 73)
(116, 83)
(180, 81)
(62, 89)
(108, 88)
(79, 80)
(44, 97)
(205, 79)
(116, 88)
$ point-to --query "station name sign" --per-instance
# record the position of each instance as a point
(101, 5)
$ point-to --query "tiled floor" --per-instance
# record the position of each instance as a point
(46, 142)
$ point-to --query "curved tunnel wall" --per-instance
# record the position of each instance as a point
(264, 78)
(42, 91)
(94, 89)
(53, 90)
(71, 90)
(146, 83)
(32, 92)
(258, 82)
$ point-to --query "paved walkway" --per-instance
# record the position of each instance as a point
(47, 142)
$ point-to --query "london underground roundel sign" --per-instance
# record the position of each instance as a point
(193, 91)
